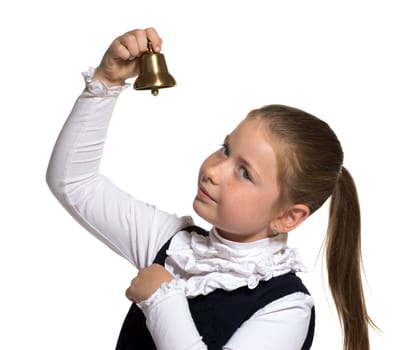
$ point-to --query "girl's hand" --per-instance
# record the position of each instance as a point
(120, 61)
(148, 280)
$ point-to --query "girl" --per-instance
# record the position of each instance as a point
(234, 287)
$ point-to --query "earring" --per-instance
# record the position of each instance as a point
(275, 232)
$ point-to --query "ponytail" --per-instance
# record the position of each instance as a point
(310, 161)
(343, 257)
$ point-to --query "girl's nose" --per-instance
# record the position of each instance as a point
(211, 175)
(213, 172)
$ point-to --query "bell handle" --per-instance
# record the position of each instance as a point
(150, 47)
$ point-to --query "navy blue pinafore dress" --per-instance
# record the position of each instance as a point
(209, 311)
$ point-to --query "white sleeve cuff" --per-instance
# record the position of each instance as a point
(169, 319)
(166, 290)
(98, 88)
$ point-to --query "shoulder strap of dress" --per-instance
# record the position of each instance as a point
(161, 255)
(197, 229)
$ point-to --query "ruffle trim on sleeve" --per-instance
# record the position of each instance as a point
(98, 88)
(166, 290)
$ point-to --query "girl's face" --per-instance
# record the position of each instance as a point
(237, 185)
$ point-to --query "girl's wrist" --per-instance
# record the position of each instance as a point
(97, 87)
(166, 290)
(99, 76)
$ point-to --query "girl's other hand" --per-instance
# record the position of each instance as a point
(120, 61)
(148, 280)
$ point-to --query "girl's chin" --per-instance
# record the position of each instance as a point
(200, 210)
(197, 206)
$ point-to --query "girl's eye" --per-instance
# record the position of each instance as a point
(244, 173)
(225, 150)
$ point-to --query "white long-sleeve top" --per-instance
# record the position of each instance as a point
(137, 230)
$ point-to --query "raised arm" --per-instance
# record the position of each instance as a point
(133, 229)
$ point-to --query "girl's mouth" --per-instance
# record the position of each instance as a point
(203, 194)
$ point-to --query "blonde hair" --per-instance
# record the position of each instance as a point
(311, 170)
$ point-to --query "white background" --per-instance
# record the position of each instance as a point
(355, 64)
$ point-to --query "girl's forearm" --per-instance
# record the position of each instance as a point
(130, 227)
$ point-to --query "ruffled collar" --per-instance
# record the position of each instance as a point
(211, 262)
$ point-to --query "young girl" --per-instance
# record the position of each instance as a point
(234, 287)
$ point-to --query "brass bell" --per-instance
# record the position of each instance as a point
(153, 73)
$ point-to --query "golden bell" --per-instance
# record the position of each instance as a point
(153, 72)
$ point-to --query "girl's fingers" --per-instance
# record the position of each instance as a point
(119, 62)
(135, 43)
(140, 36)
(129, 295)
(121, 52)
(154, 37)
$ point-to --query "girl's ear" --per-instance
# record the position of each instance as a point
(291, 218)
